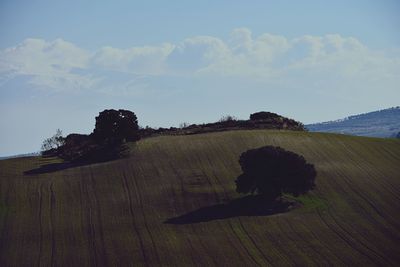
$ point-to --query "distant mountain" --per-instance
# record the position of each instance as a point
(382, 123)
(33, 154)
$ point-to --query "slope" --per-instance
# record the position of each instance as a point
(114, 214)
(382, 123)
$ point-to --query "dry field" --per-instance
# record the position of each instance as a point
(167, 205)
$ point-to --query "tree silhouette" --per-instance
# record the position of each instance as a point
(263, 115)
(116, 126)
(54, 142)
(271, 171)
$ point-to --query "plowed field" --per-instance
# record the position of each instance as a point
(166, 205)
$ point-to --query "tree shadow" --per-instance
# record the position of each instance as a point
(53, 167)
(245, 206)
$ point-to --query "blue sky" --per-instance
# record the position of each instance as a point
(62, 62)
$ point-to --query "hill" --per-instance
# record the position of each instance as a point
(21, 155)
(167, 205)
(382, 123)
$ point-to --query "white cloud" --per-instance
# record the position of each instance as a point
(36, 57)
(143, 60)
(49, 63)
(241, 40)
(304, 61)
(196, 53)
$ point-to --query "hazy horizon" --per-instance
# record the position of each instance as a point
(61, 63)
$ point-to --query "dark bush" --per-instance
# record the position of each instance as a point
(77, 147)
(113, 128)
(146, 132)
(227, 118)
(271, 171)
(263, 115)
(81, 148)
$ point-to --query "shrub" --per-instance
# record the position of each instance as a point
(227, 118)
(81, 148)
(113, 128)
(264, 115)
(53, 143)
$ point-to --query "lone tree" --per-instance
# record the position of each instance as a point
(116, 126)
(271, 171)
(54, 142)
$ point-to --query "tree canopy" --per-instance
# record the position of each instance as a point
(263, 115)
(115, 126)
(271, 171)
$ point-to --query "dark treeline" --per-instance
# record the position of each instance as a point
(114, 128)
(258, 120)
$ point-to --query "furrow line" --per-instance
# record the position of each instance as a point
(240, 223)
(174, 196)
(252, 241)
(352, 237)
(347, 233)
(52, 227)
(40, 224)
(224, 164)
(229, 221)
(4, 226)
(291, 240)
(192, 226)
(373, 251)
(371, 204)
(369, 173)
(332, 252)
(299, 248)
(90, 231)
(367, 163)
(367, 215)
(139, 198)
(318, 238)
(127, 192)
(99, 220)
(336, 232)
(84, 224)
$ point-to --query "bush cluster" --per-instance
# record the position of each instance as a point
(113, 128)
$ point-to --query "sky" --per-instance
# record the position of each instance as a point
(62, 62)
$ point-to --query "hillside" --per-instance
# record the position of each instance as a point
(116, 213)
(33, 154)
(382, 123)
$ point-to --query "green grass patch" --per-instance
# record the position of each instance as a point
(309, 201)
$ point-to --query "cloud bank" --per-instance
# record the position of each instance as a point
(320, 63)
